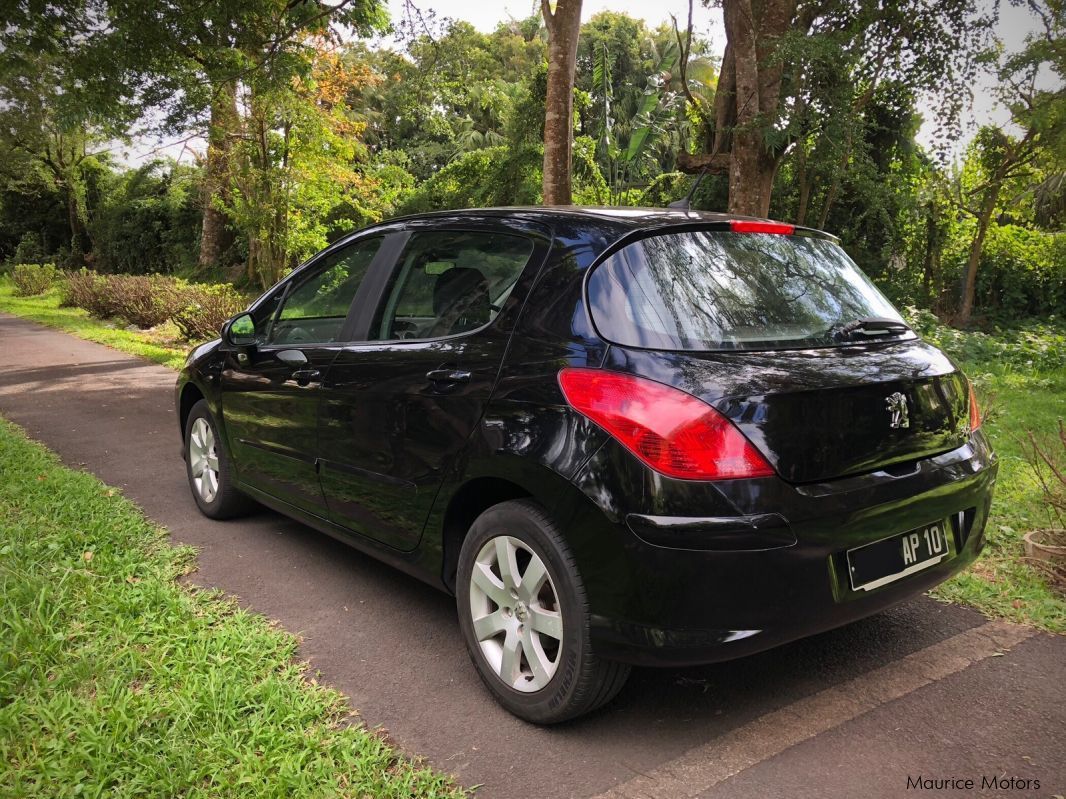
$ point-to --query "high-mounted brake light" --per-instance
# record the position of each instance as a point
(975, 412)
(749, 226)
(671, 431)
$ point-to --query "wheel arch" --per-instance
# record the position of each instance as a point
(471, 500)
(190, 395)
(192, 392)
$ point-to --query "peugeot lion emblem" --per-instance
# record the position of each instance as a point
(896, 404)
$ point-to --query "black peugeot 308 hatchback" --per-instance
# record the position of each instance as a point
(617, 436)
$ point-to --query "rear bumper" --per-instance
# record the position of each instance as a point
(781, 572)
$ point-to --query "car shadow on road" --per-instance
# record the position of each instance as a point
(51, 375)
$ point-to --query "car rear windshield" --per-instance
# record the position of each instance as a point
(718, 290)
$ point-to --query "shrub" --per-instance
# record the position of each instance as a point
(88, 290)
(198, 310)
(204, 308)
(1047, 458)
(33, 278)
(143, 300)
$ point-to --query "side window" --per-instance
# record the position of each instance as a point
(314, 311)
(449, 282)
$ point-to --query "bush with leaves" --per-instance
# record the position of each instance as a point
(144, 300)
(198, 310)
(33, 279)
(1022, 273)
(89, 291)
(204, 308)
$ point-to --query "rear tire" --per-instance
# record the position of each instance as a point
(209, 469)
(526, 623)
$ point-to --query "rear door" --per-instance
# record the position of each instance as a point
(401, 406)
(270, 399)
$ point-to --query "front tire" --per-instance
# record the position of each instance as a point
(525, 619)
(209, 469)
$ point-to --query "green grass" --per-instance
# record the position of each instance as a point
(117, 681)
(1020, 374)
(1001, 583)
(160, 346)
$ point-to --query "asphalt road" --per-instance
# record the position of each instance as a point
(925, 690)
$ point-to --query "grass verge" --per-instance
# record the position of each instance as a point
(159, 345)
(117, 681)
(1020, 375)
(1001, 583)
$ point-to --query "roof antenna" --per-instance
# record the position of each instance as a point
(686, 203)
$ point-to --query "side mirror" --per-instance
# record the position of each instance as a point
(240, 331)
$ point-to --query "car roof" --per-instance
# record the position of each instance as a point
(627, 216)
(622, 219)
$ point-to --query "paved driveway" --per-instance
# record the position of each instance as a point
(925, 690)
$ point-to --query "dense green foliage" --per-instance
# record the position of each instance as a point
(1022, 273)
(1037, 347)
(146, 219)
(115, 680)
(313, 134)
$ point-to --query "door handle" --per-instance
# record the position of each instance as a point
(305, 377)
(292, 357)
(448, 376)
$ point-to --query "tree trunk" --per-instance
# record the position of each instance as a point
(80, 245)
(216, 237)
(725, 104)
(77, 251)
(564, 27)
(63, 165)
(804, 180)
(932, 250)
(751, 176)
(984, 219)
(752, 39)
(802, 176)
(830, 198)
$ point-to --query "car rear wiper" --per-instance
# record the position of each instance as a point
(867, 326)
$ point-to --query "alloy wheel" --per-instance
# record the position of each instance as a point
(515, 610)
(203, 459)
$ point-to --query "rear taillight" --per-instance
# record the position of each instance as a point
(975, 412)
(671, 431)
(751, 226)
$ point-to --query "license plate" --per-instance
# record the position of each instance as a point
(890, 559)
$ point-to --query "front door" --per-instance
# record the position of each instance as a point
(270, 399)
(401, 406)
